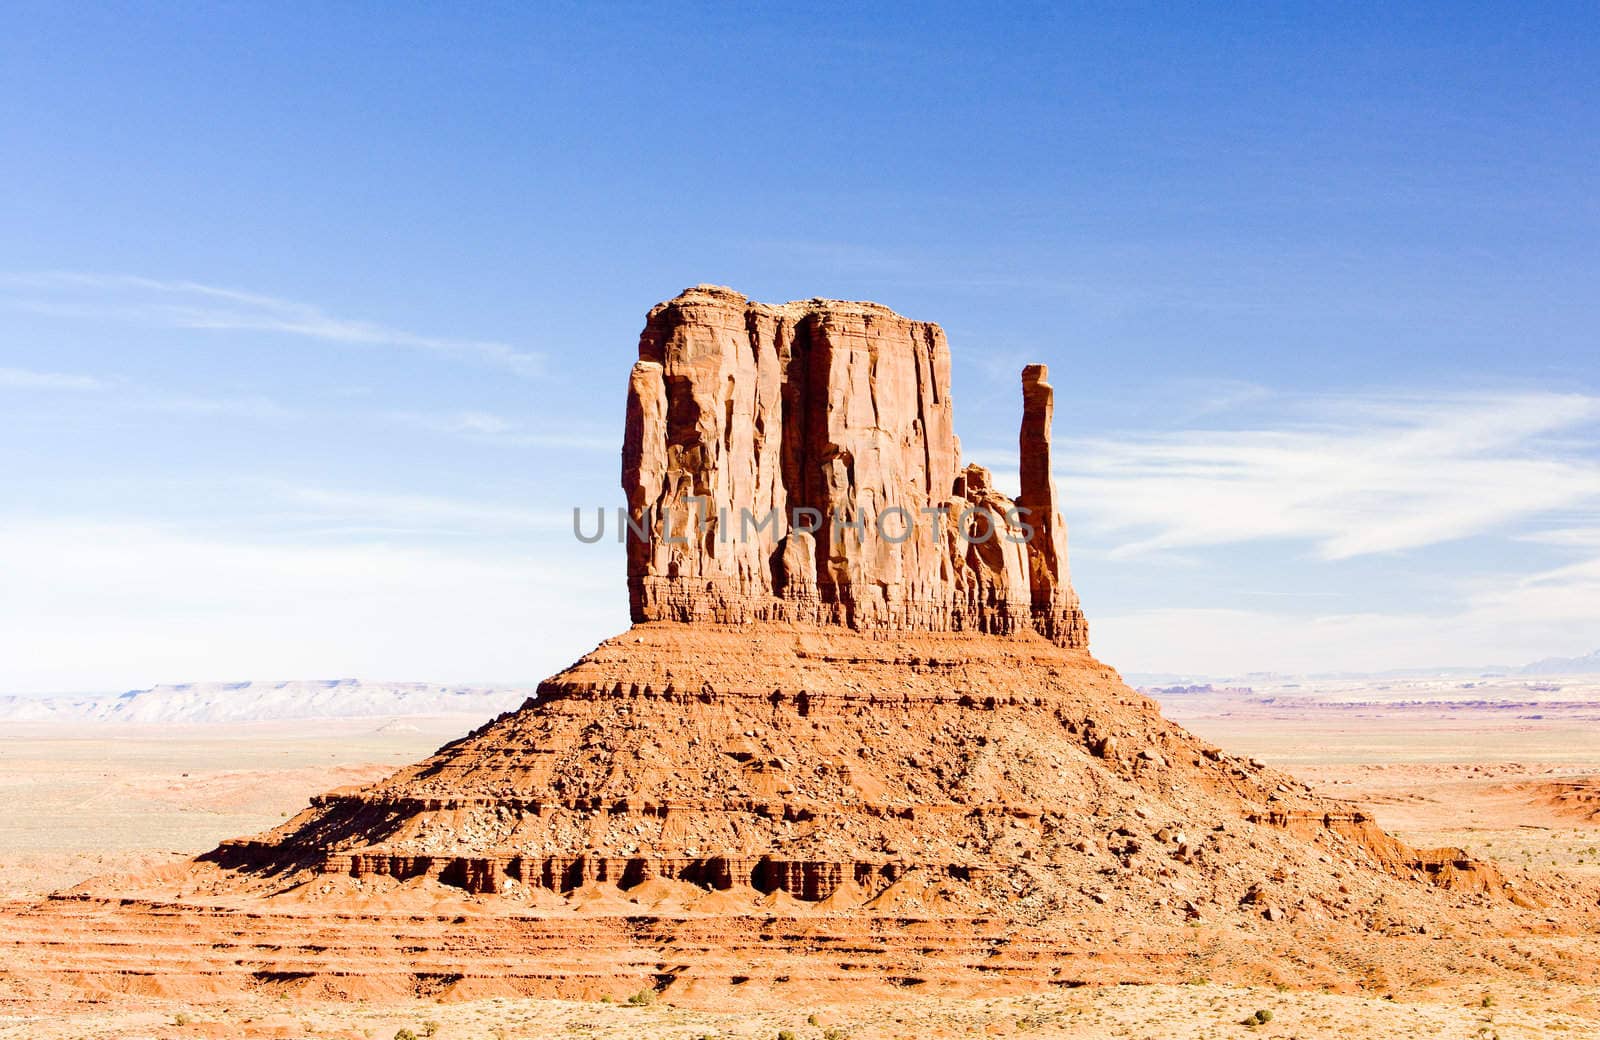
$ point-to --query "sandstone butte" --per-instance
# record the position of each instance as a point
(815, 760)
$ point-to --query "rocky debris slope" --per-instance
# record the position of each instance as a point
(976, 774)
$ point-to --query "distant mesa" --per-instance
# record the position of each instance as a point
(236, 702)
(1589, 664)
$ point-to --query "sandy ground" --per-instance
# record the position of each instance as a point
(84, 800)
(1200, 1011)
(79, 802)
(1478, 778)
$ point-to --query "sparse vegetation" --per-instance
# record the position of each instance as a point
(405, 1034)
(643, 998)
(181, 1019)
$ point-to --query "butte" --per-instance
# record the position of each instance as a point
(820, 756)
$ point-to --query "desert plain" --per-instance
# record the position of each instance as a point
(1503, 773)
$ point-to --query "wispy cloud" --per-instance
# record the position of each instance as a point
(1549, 612)
(1349, 476)
(486, 426)
(243, 407)
(113, 603)
(24, 379)
(195, 305)
(417, 512)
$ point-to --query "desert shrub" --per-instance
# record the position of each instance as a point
(786, 1034)
(643, 997)
(405, 1034)
(430, 1028)
(181, 1019)
(1263, 1016)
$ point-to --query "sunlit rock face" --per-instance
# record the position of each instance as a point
(799, 463)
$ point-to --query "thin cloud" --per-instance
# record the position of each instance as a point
(195, 305)
(417, 512)
(1552, 612)
(1351, 477)
(486, 426)
(112, 604)
(249, 407)
(24, 379)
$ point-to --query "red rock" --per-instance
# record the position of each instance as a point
(740, 414)
(911, 744)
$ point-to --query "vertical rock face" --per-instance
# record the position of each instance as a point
(799, 463)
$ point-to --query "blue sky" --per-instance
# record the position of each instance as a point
(314, 324)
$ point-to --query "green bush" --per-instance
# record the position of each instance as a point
(643, 997)
(405, 1034)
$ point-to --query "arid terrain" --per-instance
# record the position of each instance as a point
(825, 785)
(85, 799)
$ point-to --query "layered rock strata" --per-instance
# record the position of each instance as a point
(833, 766)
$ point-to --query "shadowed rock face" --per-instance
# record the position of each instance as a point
(799, 463)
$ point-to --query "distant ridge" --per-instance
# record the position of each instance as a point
(267, 701)
(1589, 664)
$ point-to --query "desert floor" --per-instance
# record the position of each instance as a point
(112, 798)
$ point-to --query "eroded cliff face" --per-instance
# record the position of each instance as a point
(799, 463)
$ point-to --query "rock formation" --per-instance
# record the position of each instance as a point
(823, 755)
(799, 463)
(823, 710)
